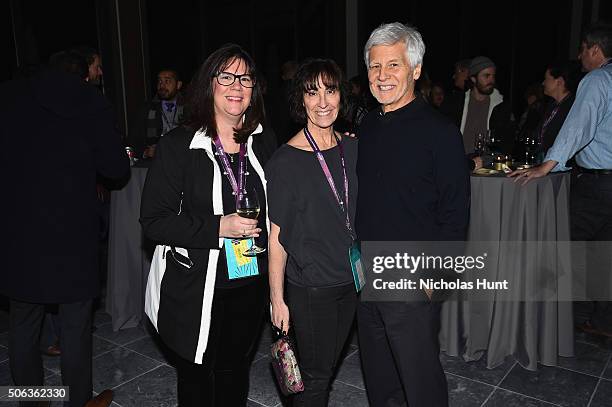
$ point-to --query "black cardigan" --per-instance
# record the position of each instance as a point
(177, 210)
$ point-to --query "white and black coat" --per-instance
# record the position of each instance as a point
(182, 205)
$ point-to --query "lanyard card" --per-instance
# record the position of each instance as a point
(357, 266)
(239, 265)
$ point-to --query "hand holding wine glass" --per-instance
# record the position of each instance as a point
(247, 206)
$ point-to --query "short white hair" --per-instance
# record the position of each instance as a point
(391, 34)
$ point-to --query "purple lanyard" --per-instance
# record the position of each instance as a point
(549, 119)
(330, 179)
(227, 169)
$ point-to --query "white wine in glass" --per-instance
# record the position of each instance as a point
(247, 206)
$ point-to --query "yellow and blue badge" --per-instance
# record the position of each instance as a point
(239, 265)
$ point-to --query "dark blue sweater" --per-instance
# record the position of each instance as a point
(414, 184)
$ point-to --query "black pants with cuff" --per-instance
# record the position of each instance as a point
(321, 319)
(399, 349)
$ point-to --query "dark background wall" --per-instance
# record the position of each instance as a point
(137, 38)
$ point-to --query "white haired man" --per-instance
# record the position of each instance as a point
(413, 186)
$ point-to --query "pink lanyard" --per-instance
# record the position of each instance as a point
(330, 179)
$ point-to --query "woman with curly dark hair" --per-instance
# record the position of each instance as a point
(205, 298)
(312, 190)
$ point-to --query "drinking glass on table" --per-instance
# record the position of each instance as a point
(247, 206)
(479, 144)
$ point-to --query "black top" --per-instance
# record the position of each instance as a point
(551, 131)
(312, 226)
(413, 178)
(229, 207)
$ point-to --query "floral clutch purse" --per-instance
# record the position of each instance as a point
(285, 365)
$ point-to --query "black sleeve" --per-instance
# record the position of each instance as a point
(280, 196)
(453, 184)
(136, 136)
(111, 160)
(161, 213)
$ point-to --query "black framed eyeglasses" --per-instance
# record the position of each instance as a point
(228, 79)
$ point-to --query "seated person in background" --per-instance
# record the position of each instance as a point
(560, 82)
(158, 116)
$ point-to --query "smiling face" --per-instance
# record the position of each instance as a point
(232, 101)
(322, 105)
(391, 77)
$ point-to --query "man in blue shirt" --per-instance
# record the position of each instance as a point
(587, 134)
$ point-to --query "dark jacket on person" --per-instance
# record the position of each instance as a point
(501, 119)
(182, 205)
(413, 178)
(148, 126)
(57, 133)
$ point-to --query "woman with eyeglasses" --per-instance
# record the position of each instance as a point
(205, 297)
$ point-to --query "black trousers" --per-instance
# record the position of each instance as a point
(399, 349)
(25, 322)
(223, 377)
(321, 319)
(591, 220)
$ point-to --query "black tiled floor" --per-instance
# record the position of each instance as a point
(503, 398)
(121, 337)
(608, 372)
(551, 384)
(476, 370)
(119, 366)
(343, 395)
(603, 395)
(463, 392)
(101, 346)
(151, 347)
(133, 364)
(350, 371)
(590, 359)
(155, 388)
(263, 388)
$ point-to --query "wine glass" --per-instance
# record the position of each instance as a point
(247, 206)
(479, 144)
